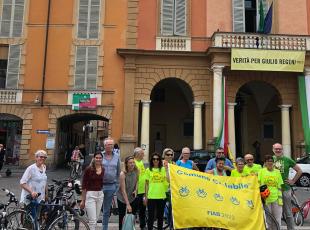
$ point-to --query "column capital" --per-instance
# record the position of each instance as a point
(198, 104)
(231, 104)
(307, 70)
(284, 107)
(146, 102)
(217, 68)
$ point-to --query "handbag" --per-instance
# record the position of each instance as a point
(129, 222)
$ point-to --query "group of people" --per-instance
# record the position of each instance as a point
(137, 187)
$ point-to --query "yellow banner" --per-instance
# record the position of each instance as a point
(267, 60)
(203, 200)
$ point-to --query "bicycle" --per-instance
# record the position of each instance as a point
(297, 212)
(305, 207)
(76, 168)
(6, 208)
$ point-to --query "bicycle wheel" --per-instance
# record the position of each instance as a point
(270, 222)
(20, 220)
(297, 214)
(73, 173)
(305, 207)
(68, 222)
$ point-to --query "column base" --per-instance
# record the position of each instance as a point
(127, 145)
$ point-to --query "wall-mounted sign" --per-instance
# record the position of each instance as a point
(43, 131)
(82, 101)
(50, 143)
(267, 60)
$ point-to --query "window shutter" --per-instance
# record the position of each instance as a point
(94, 19)
(80, 67)
(238, 16)
(6, 19)
(167, 17)
(13, 67)
(180, 18)
(92, 66)
(18, 18)
(83, 19)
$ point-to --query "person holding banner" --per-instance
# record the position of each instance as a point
(155, 191)
(272, 178)
(185, 162)
(219, 168)
(239, 171)
(168, 155)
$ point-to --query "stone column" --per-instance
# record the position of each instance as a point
(217, 98)
(231, 128)
(198, 124)
(286, 132)
(145, 129)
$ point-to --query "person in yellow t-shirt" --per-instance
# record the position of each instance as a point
(139, 155)
(239, 171)
(155, 190)
(250, 166)
(272, 178)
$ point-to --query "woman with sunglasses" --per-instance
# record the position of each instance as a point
(34, 178)
(168, 155)
(127, 193)
(155, 191)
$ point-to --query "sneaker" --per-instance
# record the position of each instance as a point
(99, 221)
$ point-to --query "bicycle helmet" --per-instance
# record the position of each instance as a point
(264, 191)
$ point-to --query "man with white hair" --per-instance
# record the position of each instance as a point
(284, 163)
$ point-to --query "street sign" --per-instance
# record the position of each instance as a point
(42, 131)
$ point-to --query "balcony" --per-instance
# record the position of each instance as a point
(11, 96)
(173, 43)
(260, 41)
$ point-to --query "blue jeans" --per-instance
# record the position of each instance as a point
(108, 193)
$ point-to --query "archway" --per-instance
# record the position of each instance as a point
(171, 115)
(82, 129)
(10, 136)
(257, 119)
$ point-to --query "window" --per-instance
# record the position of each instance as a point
(246, 14)
(173, 18)
(88, 21)
(268, 130)
(12, 17)
(188, 128)
(9, 66)
(86, 67)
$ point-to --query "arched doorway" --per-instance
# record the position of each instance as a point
(10, 136)
(171, 115)
(257, 119)
(82, 129)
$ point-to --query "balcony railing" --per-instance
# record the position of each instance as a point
(260, 41)
(173, 43)
(11, 96)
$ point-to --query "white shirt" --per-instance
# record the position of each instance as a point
(36, 180)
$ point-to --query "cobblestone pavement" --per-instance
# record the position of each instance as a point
(12, 183)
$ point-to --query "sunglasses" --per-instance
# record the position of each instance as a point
(155, 159)
(169, 154)
(42, 157)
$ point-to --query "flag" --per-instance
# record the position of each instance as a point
(304, 98)
(84, 101)
(268, 20)
(203, 200)
(222, 138)
(261, 17)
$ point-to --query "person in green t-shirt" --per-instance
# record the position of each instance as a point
(239, 171)
(283, 164)
(155, 190)
(139, 155)
(272, 178)
(250, 166)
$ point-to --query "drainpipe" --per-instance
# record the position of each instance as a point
(45, 52)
